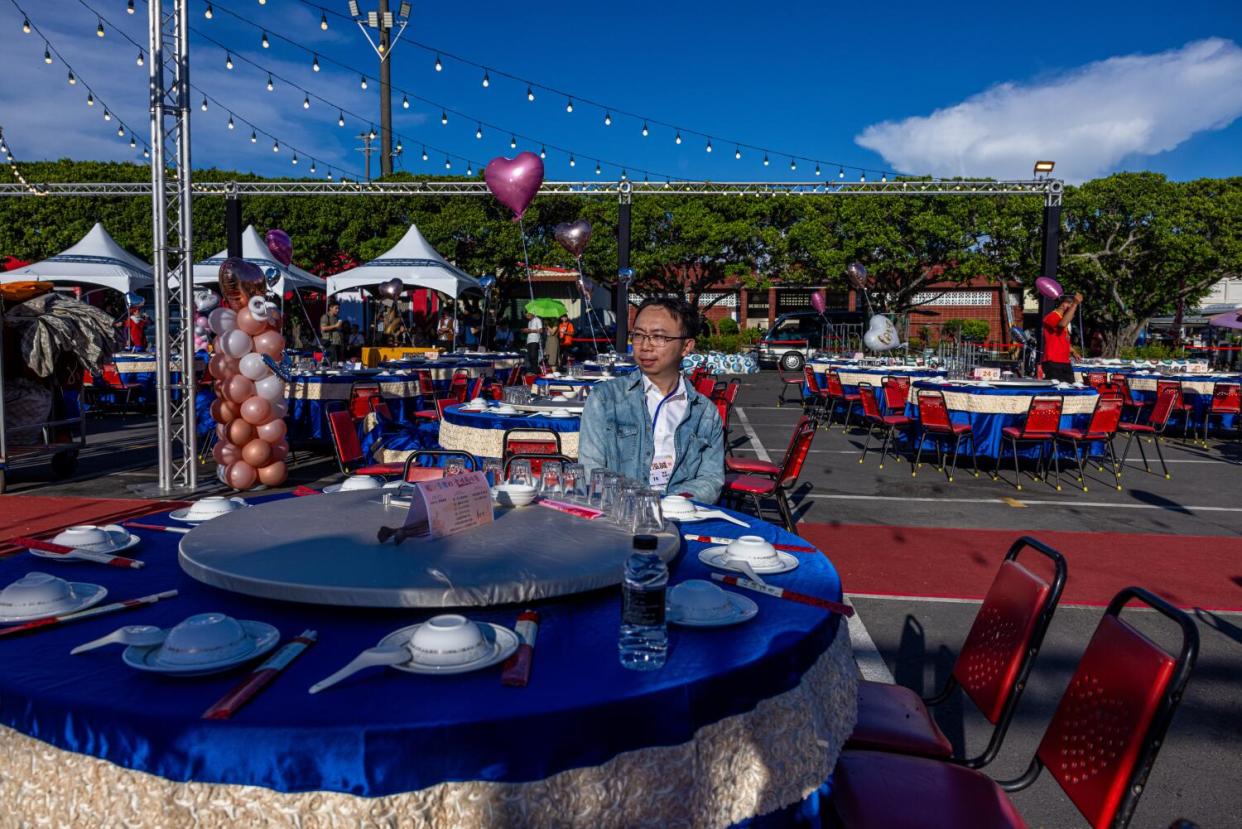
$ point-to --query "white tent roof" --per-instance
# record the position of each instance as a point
(255, 250)
(415, 262)
(96, 260)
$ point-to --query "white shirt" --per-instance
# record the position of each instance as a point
(533, 336)
(666, 412)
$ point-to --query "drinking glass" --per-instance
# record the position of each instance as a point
(574, 481)
(622, 513)
(519, 472)
(648, 517)
(608, 493)
(454, 466)
(550, 476)
(493, 470)
(598, 475)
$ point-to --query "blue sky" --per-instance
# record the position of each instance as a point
(946, 89)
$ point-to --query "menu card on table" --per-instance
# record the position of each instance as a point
(449, 505)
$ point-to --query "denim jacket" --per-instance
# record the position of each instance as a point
(616, 434)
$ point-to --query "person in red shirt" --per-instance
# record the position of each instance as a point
(136, 330)
(1057, 346)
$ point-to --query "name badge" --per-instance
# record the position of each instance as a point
(661, 471)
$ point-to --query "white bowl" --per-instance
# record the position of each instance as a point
(753, 550)
(514, 495)
(698, 600)
(448, 640)
(355, 482)
(477, 403)
(211, 507)
(676, 505)
(83, 535)
(560, 413)
(204, 638)
(35, 593)
(505, 409)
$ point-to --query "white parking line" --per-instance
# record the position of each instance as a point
(750, 434)
(867, 656)
(1007, 502)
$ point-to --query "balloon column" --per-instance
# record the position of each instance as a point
(204, 302)
(249, 408)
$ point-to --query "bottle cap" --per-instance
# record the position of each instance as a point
(646, 542)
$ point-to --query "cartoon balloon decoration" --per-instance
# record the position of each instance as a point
(818, 302)
(514, 181)
(281, 246)
(881, 334)
(487, 282)
(1048, 287)
(573, 236)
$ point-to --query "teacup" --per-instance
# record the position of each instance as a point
(753, 550)
(476, 403)
(36, 593)
(203, 638)
(675, 505)
(355, 482)
(515, 495)
(698, 600)
(447, 640)
(83, 535)
(210, 507)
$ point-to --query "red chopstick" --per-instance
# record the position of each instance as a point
(83, 555)
(51, 621)
(159, 528)
(305, 490)
(788, 595)
(711, 539)
(260, 677)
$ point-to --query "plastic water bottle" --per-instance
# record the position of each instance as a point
(643, 642)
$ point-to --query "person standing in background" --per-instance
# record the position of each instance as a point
(136, 330)
(446, 331)
(552, 346)
(1058, 349)
(533, 331)
(565, 330)
(331, 332)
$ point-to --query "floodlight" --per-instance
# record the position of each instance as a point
(373, 19)
(1044, 166)
(403, 10)
(353, 8)
(387, 20)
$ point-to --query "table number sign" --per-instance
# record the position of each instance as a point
(986, 373)
(449, 505)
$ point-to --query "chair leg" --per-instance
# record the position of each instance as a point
(888, 433)
(1056, 462)
(1017, 472)
(918, 459)
(849, 413)
(1112, 456)
(758, 506)
(957, 450)
(867, 445)
(1082, 472)
(782, 503)
(1125, 453)
(1160, 454)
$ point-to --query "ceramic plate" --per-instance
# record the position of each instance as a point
(715, 557)
(122, 539)
(87, 595)
(744, 609)
(330, 488)
(263, 637)
(183, 514)
(504, 643)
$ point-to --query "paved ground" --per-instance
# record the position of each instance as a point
(908, 629)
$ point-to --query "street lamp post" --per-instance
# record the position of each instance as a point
(383, 21)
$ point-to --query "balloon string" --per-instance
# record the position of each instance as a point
(530, 285)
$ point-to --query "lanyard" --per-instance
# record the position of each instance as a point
(656, 417)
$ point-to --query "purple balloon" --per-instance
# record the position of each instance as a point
(573, 236)
(514, 181)
(1049, 287)
(281, 246)
(818, 303)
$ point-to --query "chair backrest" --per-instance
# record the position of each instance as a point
(1169, 384)
(795, 457)
(459, 386)
(417, 469)
(1123, 385)
(530, 441)
(1043, 416)
(1226, 398)
(1095, 379)
(895, 392)
(812, 382)
(835, 389)
(1111, 720)
(112, 377)
(1166, 401)
(705, 385)
(426, 383)
(1106, 416)
(1110, 390)
(443, 403)
(731, 390)
(871, 406)
(344, 439)
(359, 398)
(536, 459)
(723, 409)
(1008, 630)
(474, 389)
(933, 411)
(697, 374)
(515, 376)
(377, 404)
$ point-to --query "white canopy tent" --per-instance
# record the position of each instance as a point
(255, 250)
(415, 262)
(96, 259)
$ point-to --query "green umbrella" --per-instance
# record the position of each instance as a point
(546, 307)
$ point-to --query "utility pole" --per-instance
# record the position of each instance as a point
(366, 138)
(383, 21)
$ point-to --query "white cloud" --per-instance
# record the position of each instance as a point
(1088, 120)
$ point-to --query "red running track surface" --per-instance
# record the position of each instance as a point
(1188, 570)
(41, 515)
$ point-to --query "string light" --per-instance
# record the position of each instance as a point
(478, 133)
(294, 161)
(597, 169)
(569, 104)
(72, 80)
(765, 160)
(405, 102)
(129, 7)
(275, 146)
(371, 134)
(230, 121)
(439, 66)
(607, 119)
(270, 85)
(99, 32)
(884, 177)
(363, 82)
(107, 115)
(228, 60)
(737, 152)
(623, 175)
(571, 160)
(253, 138)
(513, 142)
(315, 64)
(90, 99)
(203, 106)
(26, 25)
(266, 43)
(486, 80)
(862, 176)
(530, 94)
(444, 117)
(424, 153)
(312, 169)
(448, 165)
(543, 153)
(400, 148)
(469, 171)
(677, 138)
(841, 172)
(47, 54)
(340, 119)
(646, 132)
(817, 169)
(709, 145)
(329, 175)
(141, 59)
(306, 102)
(132, 143)
(146, 153)
(209, 13)
(120, 131)
(793, 165)
(323, 24)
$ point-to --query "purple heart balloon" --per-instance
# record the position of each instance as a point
(281, 246)
(573, 236)
(514, 181)
(1049, 287)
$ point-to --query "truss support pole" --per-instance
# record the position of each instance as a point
(621, 294)
(233, 224)
(173, 244)
(1050, 254)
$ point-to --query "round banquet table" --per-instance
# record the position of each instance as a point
(990, 407)
(617, 368)
(1196, 388)
(571, 383)
(742, 726)
(482, 433)
(310, 394)
(138, 368)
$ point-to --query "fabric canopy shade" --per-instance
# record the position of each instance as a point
(1229, 319)
(255, 250)
(95, 260)
(412, 260)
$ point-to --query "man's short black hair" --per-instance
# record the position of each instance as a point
(334, 303)
(680, 309)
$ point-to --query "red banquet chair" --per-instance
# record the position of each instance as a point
(415, 470)
(817, 402)
(1128, 400)
(837, 394)
(438, 412)
(991, 668)
(896, 392)
(876, 418)
(1099, 746)
(1043, 421)
(1161, 414)
(935, 423)
(359, 398)
(786, 382)
(724, 399)
(348, 448)
(530, 442)
(754, 466)
(1105, 421)
(1187, 410)
(1226, 400)
(1095, 379)
(757, 488)
(705, 385)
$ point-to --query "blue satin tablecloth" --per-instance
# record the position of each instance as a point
(138, 368)
(482, 433)
(982, 407)
(312, 395)
(385, 732)
(1196, 389)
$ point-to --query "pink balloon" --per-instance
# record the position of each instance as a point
(1049, 287)
(246, 322)
(222, 432)
(235, 343)
(221, 366)
(281, 246)
(279, 409)
(240, 432)
(239, 389)
(223, 411)
(280, 450)
(257, 453)
(817, 302)
(201, 323)
(256, 410)
(514, 181)
(274, 473)
(241, 475)
(271, 431)
(225, 453)
(271, 343)
(271, 387)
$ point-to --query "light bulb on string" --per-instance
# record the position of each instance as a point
(598, 169)
(203, 105)
(107, 115)
(862, 176)
(294, 161)
(90, 99)
(141, 59)
(840, 172)
(231, 126)
(323, 24)
(469, 171)
(340, 119)
(99, 32)
(677, 138)
(543, 153)
(478, 133)
(646, 131)
(399, 147)
(486, 80)
(607, 119)
(72, 79)
(513, 142)
(306, 102)
(315, 64)
(363, 82)
(120, 131)
(623, 175)
(737, 152)
(266, 43)
(793, 165)
(530, 94)
(709, 145)
(448, 165)
(817, 169)
(146, 153)
(228, 60)
(371, 134)
(129, 7)
(329, 175)
(571, 160)
(209, 13)
(254, 139)
(405, 102)
(26, 25)
(133, 145)
(424, 153)
(270, 85)
(439, 65)
(312, 169)
(444, 117)
(569, 104)
(884, 177)
(275, 146)
(765, 160)
(47, 54)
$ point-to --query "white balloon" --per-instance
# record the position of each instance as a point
(253, 367)
(881, 334)
(258, 307)
(222, 320)
(279, 407)
(235, 343)
(271, 389)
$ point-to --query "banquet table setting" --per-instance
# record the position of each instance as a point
(478, 427)
(1197, 387)
(139, 369)
(140, 715)
(852, 374)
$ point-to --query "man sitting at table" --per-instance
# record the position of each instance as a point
(651, 425)
(1057, 343)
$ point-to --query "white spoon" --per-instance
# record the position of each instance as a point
(718, 514)
(386, 655)
(140, 635)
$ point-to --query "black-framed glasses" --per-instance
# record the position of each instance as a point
(658, 340)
